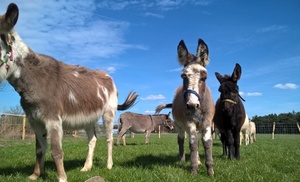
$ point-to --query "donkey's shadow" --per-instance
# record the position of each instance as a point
(149, 161)
(49, 165)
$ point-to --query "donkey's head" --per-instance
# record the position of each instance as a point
(168, 122)
(229, 89)
(194, 73)
(7, 22)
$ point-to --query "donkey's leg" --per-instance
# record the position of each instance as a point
(108, 121)
(193, 144)
(121, 134)
(236, 145)
(92, 139)
(241, 137)
(180, 141)
(247, 139)
(54, 128)
(40, 149)
(207, 144)
(230, 142)
(124, 140)
(224, 145)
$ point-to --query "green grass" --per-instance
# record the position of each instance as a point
(266, 160)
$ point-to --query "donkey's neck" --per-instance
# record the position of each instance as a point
(157, 120)
(19, 51)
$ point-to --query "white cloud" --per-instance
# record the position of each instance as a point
(154, 97)
(71, 31)
(251, 94)
(145, 4)
(175, 70)
(149, 112)
(287, 86)
(154, 15)
(111, 69)
(271, 28)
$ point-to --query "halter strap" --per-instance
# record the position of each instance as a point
(229, 100)
(193, 92)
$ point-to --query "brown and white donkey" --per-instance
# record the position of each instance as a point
(57, 96)
(193, 107)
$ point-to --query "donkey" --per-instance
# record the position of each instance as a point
(230, 112)
(140, 123)
(193, 106)
(57, 96)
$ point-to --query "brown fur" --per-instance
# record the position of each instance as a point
(193, 107)
(141, 123)
(55, 95)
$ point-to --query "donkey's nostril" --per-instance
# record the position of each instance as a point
(192, 106)
(187, 106)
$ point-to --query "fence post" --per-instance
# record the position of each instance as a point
(298, 126)
(273, 130)
(24, 127)
(158, 131)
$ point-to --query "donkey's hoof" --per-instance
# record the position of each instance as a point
(199, 163)
(33, 177)
(210, 172)
(85, 169)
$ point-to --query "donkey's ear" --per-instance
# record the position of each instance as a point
(202, 53)
(237, 72)
(10, 18)
(219, 77)
(184, 57)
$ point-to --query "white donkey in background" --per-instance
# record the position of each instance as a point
(55, 95)
(245, 131)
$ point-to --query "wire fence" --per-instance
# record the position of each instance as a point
(279, 128)
(16, 127)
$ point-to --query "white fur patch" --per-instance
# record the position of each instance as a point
(76, 74)
(193, 137)
(81, 120)
(192, 130)
(207, 135)
(72, 98)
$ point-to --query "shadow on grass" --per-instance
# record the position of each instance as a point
(49, 165)
(149, 160)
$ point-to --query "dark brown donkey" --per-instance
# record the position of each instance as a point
(57, 96)
(230, 113)
(193, 107)
(141, 123)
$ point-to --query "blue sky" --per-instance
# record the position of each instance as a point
(136, 40)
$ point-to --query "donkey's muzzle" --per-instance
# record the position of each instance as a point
(192, 106)
(192, 99)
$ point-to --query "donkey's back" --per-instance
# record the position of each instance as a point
(137, 123)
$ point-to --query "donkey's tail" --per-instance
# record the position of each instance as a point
(130, 100)
(162, 106)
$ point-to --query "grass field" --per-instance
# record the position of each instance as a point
(266, 160)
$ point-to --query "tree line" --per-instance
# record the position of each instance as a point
(291, 117)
